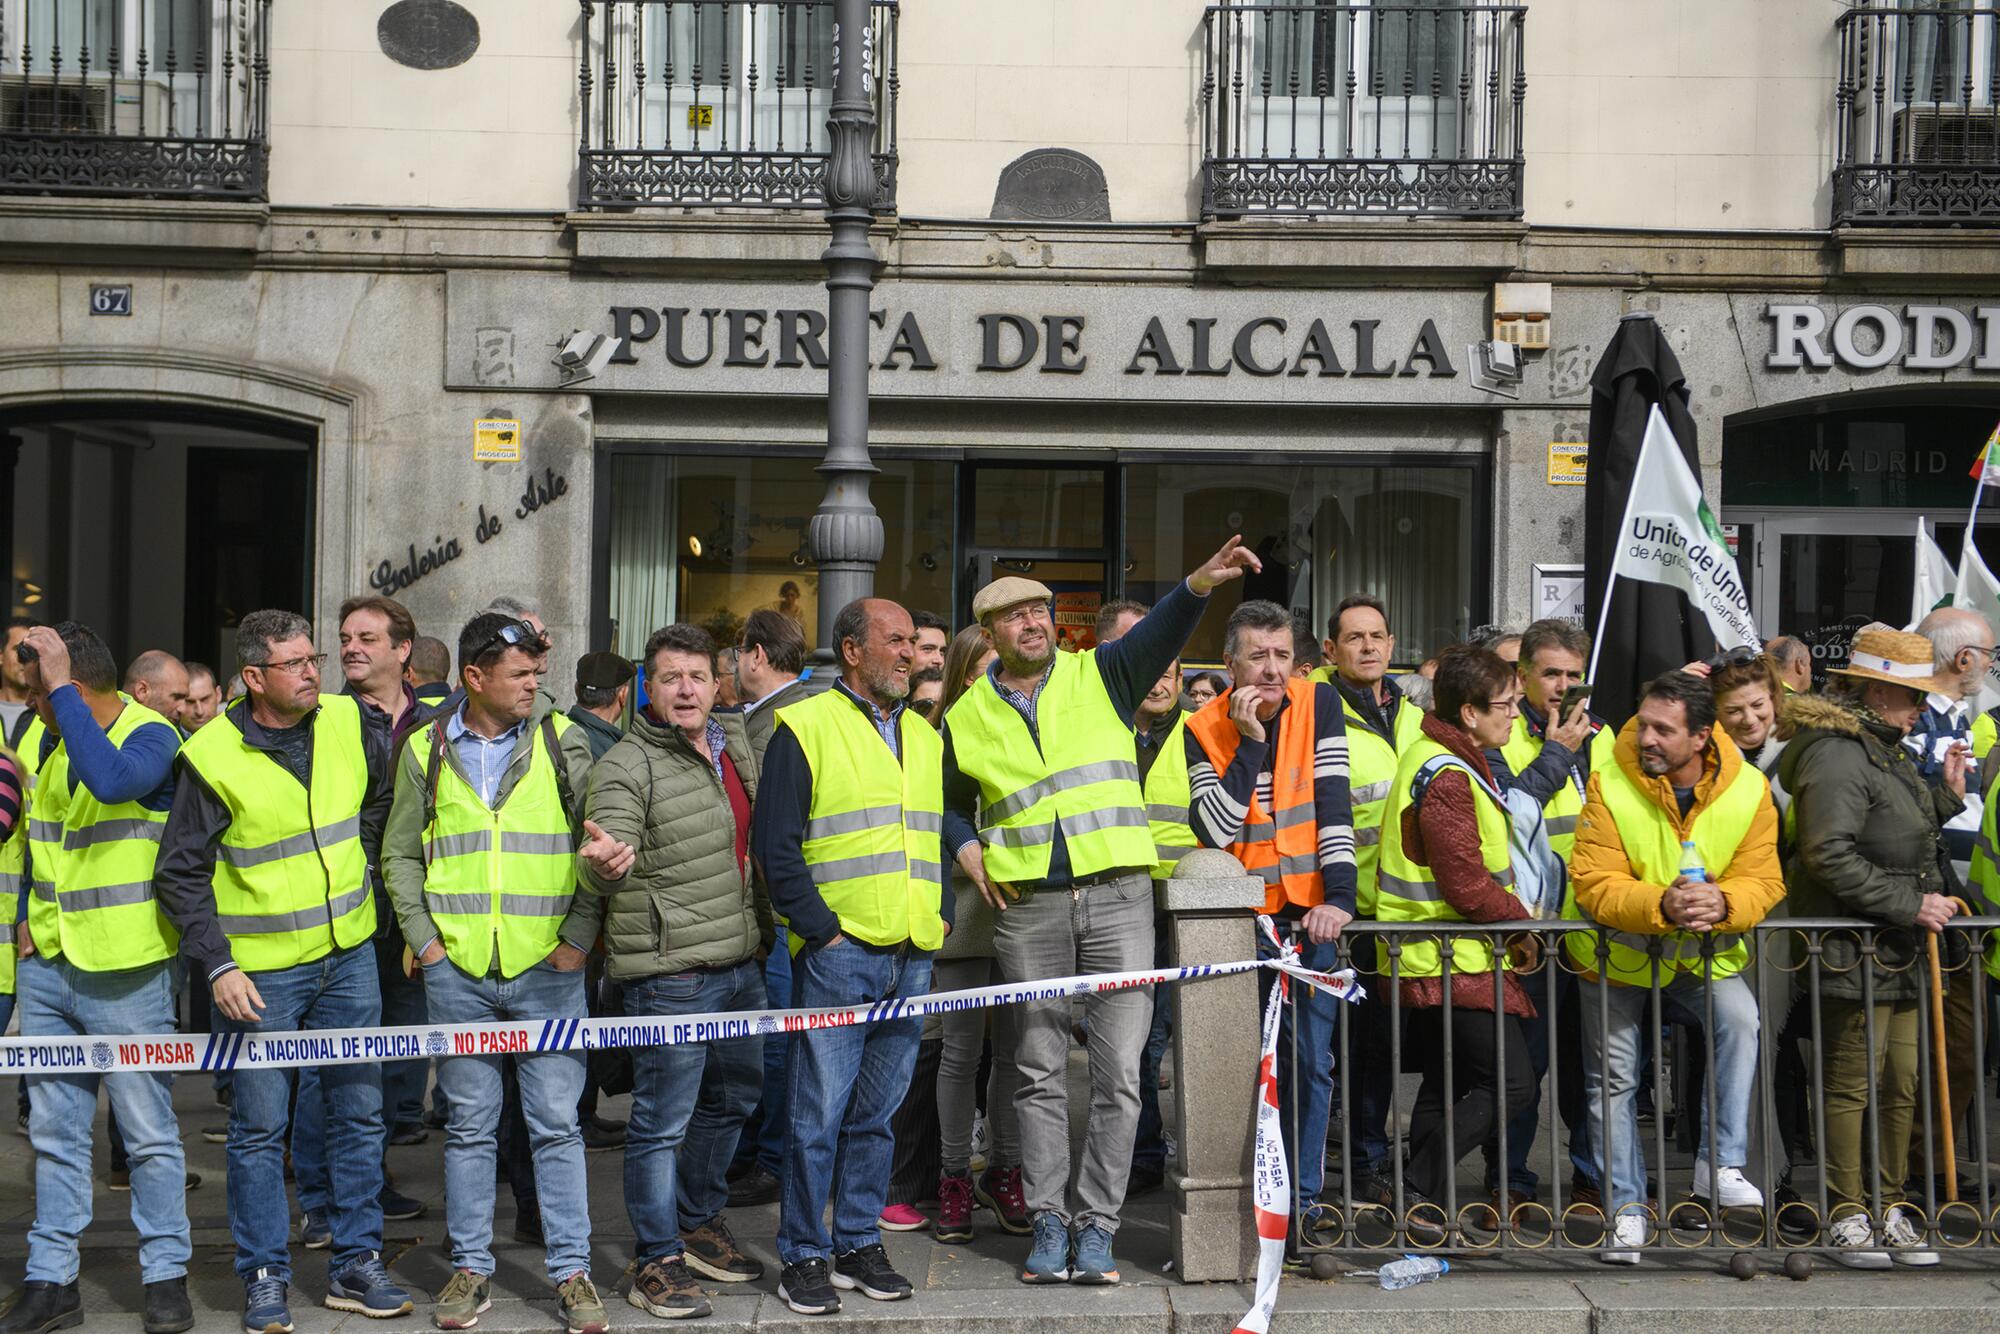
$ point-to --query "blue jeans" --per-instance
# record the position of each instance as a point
(403, 1082)
(550, 1082)
(337, 991)
(1616, 1052)
(58, 999)
(764, 1134)
(1305, 1065)
(677, 1143)
(846, 1084)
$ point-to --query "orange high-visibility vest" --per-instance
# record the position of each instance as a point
(1281, 844)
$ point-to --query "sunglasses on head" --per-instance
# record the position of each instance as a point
(1735, 657)
(514, 634)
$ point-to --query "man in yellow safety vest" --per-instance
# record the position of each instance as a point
(480, 858)
(98, 957)
(850, 805)
(1045, 814)
(1676, 860)
(262, 867)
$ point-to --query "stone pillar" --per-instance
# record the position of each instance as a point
(1211, 906)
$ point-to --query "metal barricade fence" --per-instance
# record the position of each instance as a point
(1437, 1140)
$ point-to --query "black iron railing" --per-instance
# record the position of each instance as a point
(1757, 1062)
(1917, 114)
(134, 97)
(719, 102)
(1353, 108)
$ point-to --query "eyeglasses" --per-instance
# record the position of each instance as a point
(1735, 657)
(297, 666)
(1023, 613)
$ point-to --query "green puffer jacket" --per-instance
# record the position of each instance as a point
(686, 903)
(1864, 828)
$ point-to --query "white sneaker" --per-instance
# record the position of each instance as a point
(1852, 1237)
(1906, 1244)
(1730, 1189)
(1630, 1230)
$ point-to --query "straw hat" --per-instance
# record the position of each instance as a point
(1895, 656)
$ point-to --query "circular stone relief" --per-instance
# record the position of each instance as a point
(427, 34)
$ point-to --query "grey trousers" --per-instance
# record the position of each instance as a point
(964, 1035)
(1106, 928)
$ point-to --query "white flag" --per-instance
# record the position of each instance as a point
(1935, 579)
(1670, 537)
(1979, 591)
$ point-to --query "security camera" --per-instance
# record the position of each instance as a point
(581, 355)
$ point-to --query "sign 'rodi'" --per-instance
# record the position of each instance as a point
(1869, 337)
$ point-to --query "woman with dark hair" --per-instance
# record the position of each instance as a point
(1203, 687)
(1446, 859)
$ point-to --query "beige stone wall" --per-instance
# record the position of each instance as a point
(1680, 113)
(351, 126)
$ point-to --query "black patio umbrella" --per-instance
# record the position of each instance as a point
(1651, 628)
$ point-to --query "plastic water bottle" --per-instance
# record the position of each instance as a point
(1691, 866)
(1410, 1271)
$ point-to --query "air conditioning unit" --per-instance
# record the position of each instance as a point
(39, 104)
(1948, 135)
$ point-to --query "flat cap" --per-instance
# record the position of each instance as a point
(603, 671)
(1005, 593)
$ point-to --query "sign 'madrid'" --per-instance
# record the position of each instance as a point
(974, 339)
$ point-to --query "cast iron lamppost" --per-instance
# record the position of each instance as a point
(846, 533)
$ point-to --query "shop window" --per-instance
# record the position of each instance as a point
(1404, 534)
(710, 539)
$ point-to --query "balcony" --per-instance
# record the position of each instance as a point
(1917, 115)
(130, 98)
(1346, 108)
(720, 103)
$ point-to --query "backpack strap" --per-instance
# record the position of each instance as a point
(563, 789)
(1436, 765)
(432, 765)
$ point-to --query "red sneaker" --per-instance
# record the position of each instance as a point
(954, 1215)
(902, 1218)
(999, 1189)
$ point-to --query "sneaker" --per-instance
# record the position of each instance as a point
(596, 1139)
(1730, 1189)
(44, 1306)
(1048, 1259)
(464, 1299)
(1585, 1194)
(1853, 1241)
(415, 1132)
(807, 1289)
(398, 1207)
(868, 1269)
(1906, 1241)
(666, 1289)
(1093, 1265)
(365, 1288)
(264, 1309)
(902, 1218)
(119, 1178)
(955, 1203)
(1424, 1219)
(315, 1232)
(1625, 1237)
(168, 1310)
(754, 1187)
(999, 1189)
(713, 1253)
(1373, 1190)
(582, 1308)
(215, 1134)
(1143, 1178)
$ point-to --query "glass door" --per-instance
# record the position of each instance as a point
(1054, 524)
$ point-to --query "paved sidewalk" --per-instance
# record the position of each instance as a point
(971, 1289)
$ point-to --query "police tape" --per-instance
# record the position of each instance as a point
(244, 1050)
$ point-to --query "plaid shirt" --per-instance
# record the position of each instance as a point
(887, 724)
(1024, 704)
(716, 739)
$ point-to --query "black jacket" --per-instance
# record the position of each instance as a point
(183, 877)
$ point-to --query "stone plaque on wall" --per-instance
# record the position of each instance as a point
(427, 34)
(1053, 185)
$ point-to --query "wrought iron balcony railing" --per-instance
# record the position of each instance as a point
(1917, 114)
(134, 97)
(1355, 108)
(720, 102)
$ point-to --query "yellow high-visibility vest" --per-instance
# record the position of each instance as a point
(1407, 891)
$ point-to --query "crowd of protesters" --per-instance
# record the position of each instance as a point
(707, 830)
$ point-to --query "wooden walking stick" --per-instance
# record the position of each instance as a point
(1938, 1064)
